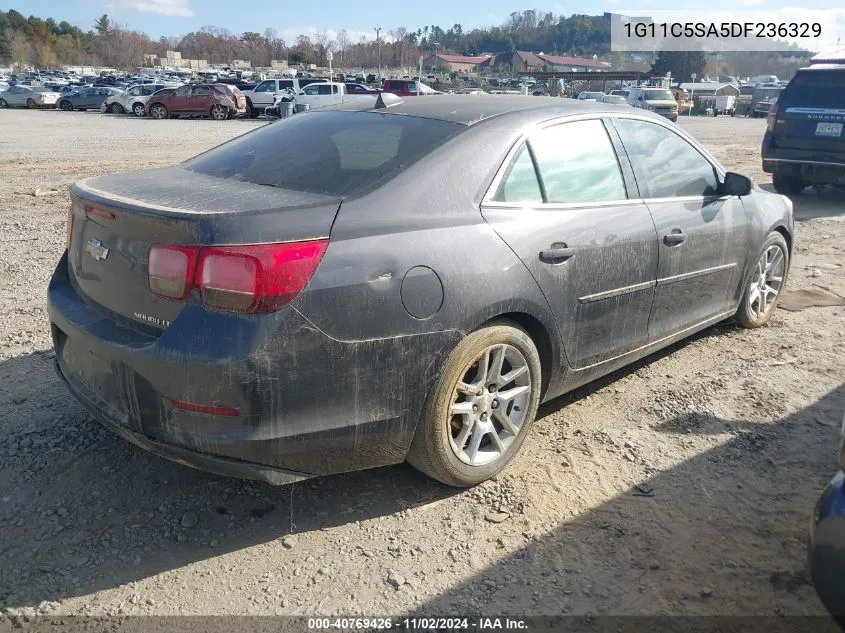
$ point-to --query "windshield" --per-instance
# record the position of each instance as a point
(658, 95)
(333, 153)
(816, 89)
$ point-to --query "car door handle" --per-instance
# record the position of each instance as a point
(674, 238)
(556, 254)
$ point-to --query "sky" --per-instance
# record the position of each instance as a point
(177, 17)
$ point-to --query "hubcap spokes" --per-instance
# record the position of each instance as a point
(489, 405)
(768, 280)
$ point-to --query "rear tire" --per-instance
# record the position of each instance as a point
(765, 287)
(3, 104)
(116, 108)
(158, 111)
(460, 439)
(66, 105)
(219, 112)
(30, 103)
(788, 183)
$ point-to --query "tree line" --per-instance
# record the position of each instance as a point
(45, 43)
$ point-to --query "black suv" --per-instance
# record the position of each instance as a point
(804, 142)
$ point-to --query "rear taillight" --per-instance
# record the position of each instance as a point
(171, 270)
(772, 118)
(70, 222)
(252, 278)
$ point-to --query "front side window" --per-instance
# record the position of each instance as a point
(201, 91)
(578, 164)
(264, 86)
(521, 184)
(324, 89)
(311, 91)
(665, 164)
(135, 92)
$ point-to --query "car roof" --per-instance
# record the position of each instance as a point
(472, 109)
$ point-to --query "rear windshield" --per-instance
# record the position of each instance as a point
(332, 153)
(816, 89)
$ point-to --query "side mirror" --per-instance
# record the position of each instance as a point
(736, 184)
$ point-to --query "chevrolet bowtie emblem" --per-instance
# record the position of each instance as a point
(97, 249)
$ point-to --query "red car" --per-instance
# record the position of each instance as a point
(218, 101)
(407, 87)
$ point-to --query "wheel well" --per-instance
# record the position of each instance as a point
(782, 230)
(540, 337)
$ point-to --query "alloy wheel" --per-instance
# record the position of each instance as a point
(158, 112)
(767, 281)
(489, 405)
(66, 106)
(219, 112)
(3, 104)
(138, 109)
(30, 103)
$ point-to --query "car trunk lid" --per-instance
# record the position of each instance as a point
(117, 218)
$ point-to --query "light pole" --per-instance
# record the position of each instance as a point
(378, 48)
(692, 93)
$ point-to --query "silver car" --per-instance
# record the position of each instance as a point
(134, 99)
(28, 97)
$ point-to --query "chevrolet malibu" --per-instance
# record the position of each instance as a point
(363, 285)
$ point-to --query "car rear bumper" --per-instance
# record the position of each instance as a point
(812, 166)
(827, 547)
(298, 402)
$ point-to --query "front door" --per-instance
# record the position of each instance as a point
(563, 207)
(201, 99)
(703, 235)
(263, 94)
(178, 101)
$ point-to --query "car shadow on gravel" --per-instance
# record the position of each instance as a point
(813, 202)
(81, 510)
(727, 527)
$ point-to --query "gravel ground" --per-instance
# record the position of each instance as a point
(681, 485)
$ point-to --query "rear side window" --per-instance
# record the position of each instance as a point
(521, 184)
(815, 89)
(332, 153)
(578, 164)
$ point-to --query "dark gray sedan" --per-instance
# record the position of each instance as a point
(350, 288)
(86, 98)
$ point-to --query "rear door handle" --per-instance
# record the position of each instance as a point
(674, 238)
(556, 254)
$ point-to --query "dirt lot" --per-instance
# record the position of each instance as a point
(734, 433)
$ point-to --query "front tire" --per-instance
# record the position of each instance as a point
(116, 108)
(138, 109)
(30, 103)
(66, 106)
(788, 183)
(481, 408)
(768, 278)
(3, 104)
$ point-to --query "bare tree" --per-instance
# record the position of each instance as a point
(20, 50)
(401, 34)
(321, 39)
(342, 44)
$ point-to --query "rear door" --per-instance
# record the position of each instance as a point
(563, 207)
(811, 116)
(703, 235)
